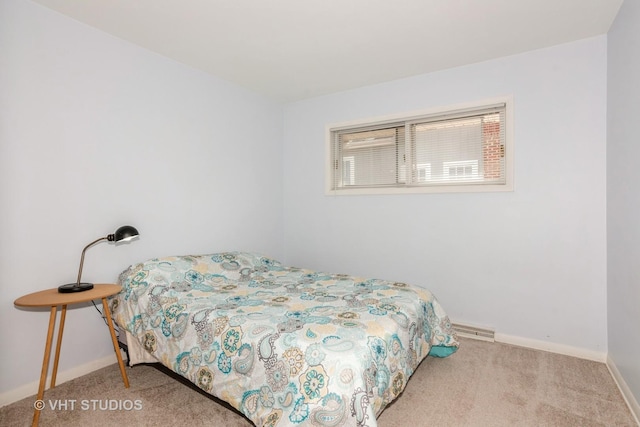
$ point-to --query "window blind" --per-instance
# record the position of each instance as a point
(455, 148)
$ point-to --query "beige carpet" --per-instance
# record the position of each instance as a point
(483, 384)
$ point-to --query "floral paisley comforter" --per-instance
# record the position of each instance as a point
(285, 346)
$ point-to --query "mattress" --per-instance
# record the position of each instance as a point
(285, 346)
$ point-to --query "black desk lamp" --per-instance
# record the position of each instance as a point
(122, 234)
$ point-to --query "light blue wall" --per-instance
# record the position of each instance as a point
(96, 133)
(623, 194)
(530, 263)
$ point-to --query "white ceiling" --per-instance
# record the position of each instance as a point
(295, 49)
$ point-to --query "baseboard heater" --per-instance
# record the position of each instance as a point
(474, 332)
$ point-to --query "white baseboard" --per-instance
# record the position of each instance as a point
(567, 350)
(632, 403)
(31, 389)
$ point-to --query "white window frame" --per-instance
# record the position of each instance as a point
(450, 187)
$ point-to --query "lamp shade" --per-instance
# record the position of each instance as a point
(124, 234)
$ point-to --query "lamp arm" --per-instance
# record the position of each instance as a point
(82, 257)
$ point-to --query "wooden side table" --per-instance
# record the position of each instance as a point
(52, 298)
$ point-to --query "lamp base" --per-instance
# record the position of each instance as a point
(74, 287)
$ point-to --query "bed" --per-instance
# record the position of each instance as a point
(284, 346)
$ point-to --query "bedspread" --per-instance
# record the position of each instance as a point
(285, 346)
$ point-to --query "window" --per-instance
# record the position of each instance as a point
(466, 149)
(348, 171)
(465, 170)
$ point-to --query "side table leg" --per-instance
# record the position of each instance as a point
(54, 374)
(45, 366)
(105, 307)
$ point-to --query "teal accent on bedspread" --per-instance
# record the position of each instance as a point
(285, 346)
(442, 351)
